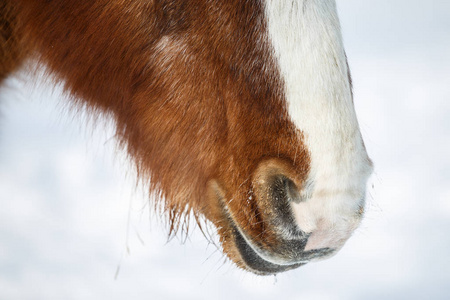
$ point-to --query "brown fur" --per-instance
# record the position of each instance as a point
(12, 49)
(192, 87)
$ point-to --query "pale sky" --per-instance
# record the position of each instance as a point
(68, 208)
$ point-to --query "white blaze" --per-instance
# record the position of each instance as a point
(307, 41)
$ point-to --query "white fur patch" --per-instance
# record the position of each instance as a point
(307, 41)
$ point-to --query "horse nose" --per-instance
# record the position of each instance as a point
(287, 205)
(298, 220)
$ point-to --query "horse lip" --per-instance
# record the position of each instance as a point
(252, 259)
(261, 262)
(254, 262)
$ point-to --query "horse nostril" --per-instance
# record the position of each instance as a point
(292, 191)
(277, 187)
(284, 188)
(282, 192)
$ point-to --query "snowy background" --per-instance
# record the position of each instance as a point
(73, 226)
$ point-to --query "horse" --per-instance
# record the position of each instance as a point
(239, 113)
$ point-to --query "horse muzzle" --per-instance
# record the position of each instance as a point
(274, 240)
